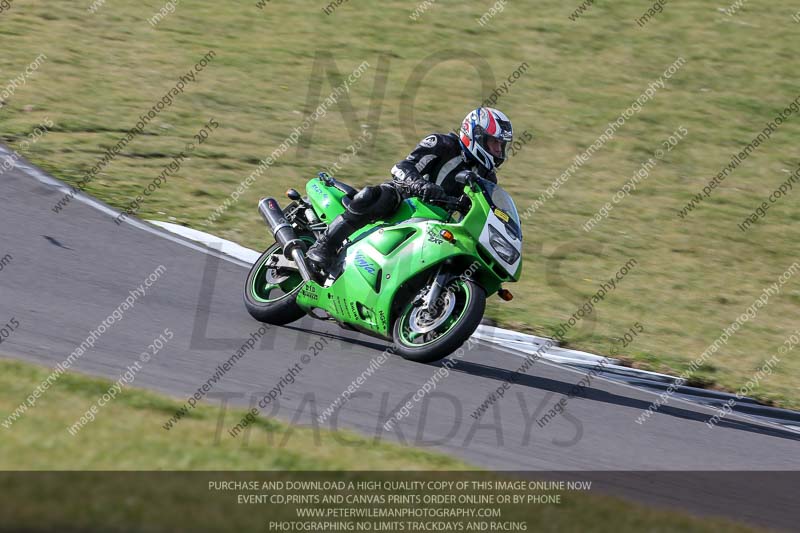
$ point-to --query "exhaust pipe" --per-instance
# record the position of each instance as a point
(293, 248)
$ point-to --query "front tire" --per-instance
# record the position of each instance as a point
(271, 296)
(419, 336)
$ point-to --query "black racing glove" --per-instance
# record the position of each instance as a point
(430, 191)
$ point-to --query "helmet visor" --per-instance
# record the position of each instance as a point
(496, 147)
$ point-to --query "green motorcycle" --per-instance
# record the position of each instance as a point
(419, 278)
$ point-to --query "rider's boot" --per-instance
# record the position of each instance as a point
(323, 251)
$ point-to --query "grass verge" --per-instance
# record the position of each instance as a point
(127, 435)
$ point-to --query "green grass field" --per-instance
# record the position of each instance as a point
(127, 436)
(694, 276)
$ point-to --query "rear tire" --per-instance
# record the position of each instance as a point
(262, 281)
(453, 329)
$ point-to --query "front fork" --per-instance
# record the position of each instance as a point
(430, 301)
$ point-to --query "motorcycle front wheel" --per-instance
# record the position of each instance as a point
(425, 336)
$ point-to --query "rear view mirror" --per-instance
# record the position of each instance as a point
(464, 177)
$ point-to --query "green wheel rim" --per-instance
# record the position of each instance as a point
(418, 340)
(261, 289)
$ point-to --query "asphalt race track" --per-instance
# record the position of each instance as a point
(71, 270)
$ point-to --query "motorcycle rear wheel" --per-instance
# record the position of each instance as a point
(263, 283)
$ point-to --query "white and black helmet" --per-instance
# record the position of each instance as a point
(480, 125)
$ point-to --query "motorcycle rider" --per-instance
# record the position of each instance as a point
(428, 172)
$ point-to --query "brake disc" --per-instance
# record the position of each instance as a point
(421, 321)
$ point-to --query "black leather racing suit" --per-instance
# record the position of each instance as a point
(436, 159)
(434, 162)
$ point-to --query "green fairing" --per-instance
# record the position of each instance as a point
(326, 201)
(386, 254)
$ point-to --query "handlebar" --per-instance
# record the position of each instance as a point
(451, 201)
(447, 201)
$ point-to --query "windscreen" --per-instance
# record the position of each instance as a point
(501, 200)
